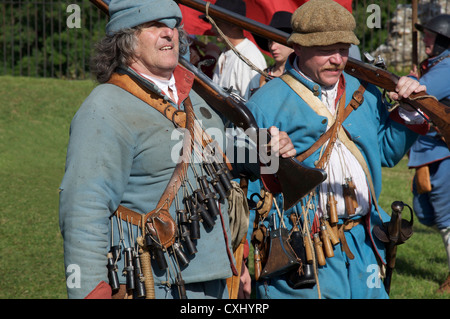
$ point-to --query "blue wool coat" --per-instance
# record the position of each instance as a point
(123, 152)
(382, 141)
(433, 208)
(429, 148)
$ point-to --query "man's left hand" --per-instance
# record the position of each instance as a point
(405, 87)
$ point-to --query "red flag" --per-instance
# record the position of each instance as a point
(263, 10)
(192, 23)
(258, 10)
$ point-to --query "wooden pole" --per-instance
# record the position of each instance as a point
(415, 59)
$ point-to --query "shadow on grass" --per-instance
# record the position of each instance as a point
(405, 268)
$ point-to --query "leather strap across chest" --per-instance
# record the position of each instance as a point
(160, 218)
(310, 99)
(176, 116)
(316, 104)
(162, 223)
(124, 81)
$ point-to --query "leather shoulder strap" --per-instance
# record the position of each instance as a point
(178, 117)
(125, 82)
(160, 221)
(316, 104)
(160, 216)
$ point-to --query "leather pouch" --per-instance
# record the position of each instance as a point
(281, 257)
(422, 179)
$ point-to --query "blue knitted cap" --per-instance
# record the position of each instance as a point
(126, 14)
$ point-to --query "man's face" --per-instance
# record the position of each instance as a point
(279, 52)
(323, 64)
(157, 50)
(223, 26)
(428, 40)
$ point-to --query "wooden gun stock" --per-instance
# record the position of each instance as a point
(296, 180)
(101, 5)
(438, 113)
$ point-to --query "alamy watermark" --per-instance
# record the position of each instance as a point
(374, 278)
(74, 18)
(373, 19)
(73, 276)
(244, 147)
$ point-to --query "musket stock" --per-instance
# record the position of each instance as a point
(296, 180)
(438, 113)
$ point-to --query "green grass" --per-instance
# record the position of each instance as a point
(421, 262)
(35, 115)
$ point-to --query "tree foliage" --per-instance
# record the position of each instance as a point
(371, 37)
(38, 38)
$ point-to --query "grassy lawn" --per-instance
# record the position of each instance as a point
(421, 262)
(35, 115)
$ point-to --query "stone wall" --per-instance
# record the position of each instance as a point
(397, 50)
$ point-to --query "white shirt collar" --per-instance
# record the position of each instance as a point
(164, 85)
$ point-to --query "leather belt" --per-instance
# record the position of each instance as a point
(346, 226)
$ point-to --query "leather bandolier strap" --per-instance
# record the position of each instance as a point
(160, 217)
(332, 134)
(356, 101)
(159, 221)
(162, 223)
(140, 91)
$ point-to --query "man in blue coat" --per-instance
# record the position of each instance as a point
(305, 102)
(430, 155)
(124, 148)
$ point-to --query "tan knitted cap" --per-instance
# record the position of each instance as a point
(322, 22)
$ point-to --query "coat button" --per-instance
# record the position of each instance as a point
(205, 112)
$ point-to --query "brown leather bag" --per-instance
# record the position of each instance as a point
(281, 257)
(422, 179)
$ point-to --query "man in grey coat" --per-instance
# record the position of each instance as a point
(123, 152)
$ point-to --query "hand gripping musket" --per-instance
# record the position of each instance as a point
(295, 179)
(437, 113)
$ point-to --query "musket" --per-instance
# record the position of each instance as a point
(437, 113)
(295, 179)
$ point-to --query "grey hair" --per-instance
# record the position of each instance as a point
(118, 49)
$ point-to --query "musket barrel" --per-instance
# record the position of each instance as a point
(437, 112)
(253, 26)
